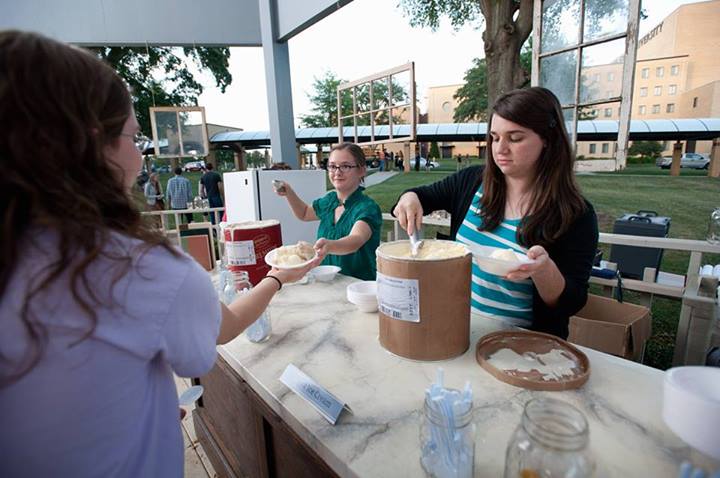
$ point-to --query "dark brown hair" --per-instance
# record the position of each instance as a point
(555, 201)
(60, 108)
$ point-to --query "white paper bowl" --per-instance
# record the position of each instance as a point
(491, 265)
(270, 260)
(325, 273)
(691, 406)
(363, 295)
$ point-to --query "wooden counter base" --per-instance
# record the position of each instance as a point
(243, 437)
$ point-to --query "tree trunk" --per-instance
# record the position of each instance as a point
(503, 38)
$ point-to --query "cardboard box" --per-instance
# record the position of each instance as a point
(609, 326)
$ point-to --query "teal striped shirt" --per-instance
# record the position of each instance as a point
(492, 295)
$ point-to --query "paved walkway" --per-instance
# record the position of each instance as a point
(378, 177)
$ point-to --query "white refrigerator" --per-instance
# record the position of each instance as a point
(249, 196)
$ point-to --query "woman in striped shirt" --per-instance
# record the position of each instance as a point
(526, 199)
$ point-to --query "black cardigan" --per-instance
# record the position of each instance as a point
(573, 252)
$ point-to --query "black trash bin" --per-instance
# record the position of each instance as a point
(631, 260)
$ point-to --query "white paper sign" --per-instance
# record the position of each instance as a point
(323, 401)
(240, 253)
(399, 298)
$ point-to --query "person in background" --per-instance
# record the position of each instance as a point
(98, 310)
(350, 221)
(417, 161)
(525, 199)
(179, 193)
(154, 197)
(213, 186)
(382, 156)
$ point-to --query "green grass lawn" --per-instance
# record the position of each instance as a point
(687, 200)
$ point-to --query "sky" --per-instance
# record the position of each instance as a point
(362, 38)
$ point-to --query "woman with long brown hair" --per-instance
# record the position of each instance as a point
(97, 308)
(526, 199)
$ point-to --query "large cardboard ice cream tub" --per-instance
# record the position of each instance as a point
(424, 302)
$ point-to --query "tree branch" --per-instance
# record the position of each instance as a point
(524, 22)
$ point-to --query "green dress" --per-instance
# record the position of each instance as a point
(358, 207)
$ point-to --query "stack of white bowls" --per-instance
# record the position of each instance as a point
(363, 295)
(691, 406)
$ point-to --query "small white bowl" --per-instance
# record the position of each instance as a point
(363, 295)
(491, 265)
(691, 406)
(325, 273)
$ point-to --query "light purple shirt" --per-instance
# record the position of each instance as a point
(107, 405)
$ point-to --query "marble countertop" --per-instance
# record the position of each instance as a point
(319, 331)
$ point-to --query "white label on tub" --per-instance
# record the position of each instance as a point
(399, 298)
(240, 253)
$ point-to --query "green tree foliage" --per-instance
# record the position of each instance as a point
(650, 149)
(472, 96)
(159, 76)
(434, 150)
(324, 101)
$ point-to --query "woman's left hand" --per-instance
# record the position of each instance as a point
(541, 264)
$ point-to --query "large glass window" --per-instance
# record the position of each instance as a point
(645, 73)
(384, 101)
(655, 109)
(179, 131)
(672, 89)
(675, 70)
(585, 55)
(670, 108)
(660, 71)
(657, 91)
(643, 91)
(642, 109)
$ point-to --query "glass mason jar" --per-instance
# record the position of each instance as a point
(550, 442)
(447, 449)
(713, 235)
(260, 330)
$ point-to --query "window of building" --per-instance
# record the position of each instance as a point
(670, 108)
(655, 109)
(645, 73)
(605, 148)
(446, 107)
(695, 102)
(643, 91)
(611, 76)
(642, 109)
(660, 71)
(675, 70)
(592, 148)
(672, 89)
(608, 112)
(657, 91)
(596, 77)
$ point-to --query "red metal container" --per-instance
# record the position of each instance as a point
(246, 244)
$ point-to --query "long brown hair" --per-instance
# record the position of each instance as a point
(555, 201)
(60, 108)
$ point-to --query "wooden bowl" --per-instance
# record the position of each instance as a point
(532, 346)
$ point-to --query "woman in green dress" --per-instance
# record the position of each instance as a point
(350, 221)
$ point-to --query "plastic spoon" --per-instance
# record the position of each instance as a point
(415, 242)
(191, 395)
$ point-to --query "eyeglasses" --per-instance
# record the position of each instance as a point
(141, 141)
(343, 167)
